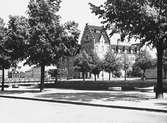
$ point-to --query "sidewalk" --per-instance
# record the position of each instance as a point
(116, 99)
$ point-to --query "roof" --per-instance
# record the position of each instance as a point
(97, 32)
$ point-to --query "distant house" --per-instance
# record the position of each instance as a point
(33, 73)
(96, 40)
(13, 73)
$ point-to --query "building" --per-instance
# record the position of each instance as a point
(96, 40)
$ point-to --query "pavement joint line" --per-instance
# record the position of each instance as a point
(86, 104)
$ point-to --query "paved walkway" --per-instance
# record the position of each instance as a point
(118, 99)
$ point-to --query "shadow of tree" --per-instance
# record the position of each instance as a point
(18, 91)
(90, 96)
(162, 104)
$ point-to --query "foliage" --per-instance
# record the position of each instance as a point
(142, 19)
(45, 30)
(144, 61)
(111, 63)
(48, 40)
(70, 38)
(135, 72)
(82, 63)
(5, 59)
(16, 37)
(126, 63)
(96, 64)
(53, 72)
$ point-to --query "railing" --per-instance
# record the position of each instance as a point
(27, 82)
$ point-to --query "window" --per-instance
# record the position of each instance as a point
(135, 50)
(116, 48)
(123, 49)
(129, 49)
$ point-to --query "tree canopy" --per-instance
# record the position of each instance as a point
(144, 61)
(96, 65)
(111, 63)
(82, 63)
(16, 38)
(145, 20)
(48, 39)
(5, 59)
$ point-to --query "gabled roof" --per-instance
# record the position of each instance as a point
(97, 32)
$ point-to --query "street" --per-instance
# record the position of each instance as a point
(26, 111)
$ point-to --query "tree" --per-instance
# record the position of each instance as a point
(111, 63)
(16, 38)
(4, 54)
(125, 64)
(144, 61)
(45, 30)
(142, 19)
(14, 43)
(136, 71)
(96, 65)
(165, 64)
(5, 63)
(48, 40)
(54, 73)
(82, 63)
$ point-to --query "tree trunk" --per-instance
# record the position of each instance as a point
(109, 76)
(68, 68)
(83, 76)
(159, 85)
(95, 77)
(164, 73)
(3, 78)
(125, 76)
(143, 76)
(56, 79)
(42, 77)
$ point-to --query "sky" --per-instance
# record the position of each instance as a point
(71, 10)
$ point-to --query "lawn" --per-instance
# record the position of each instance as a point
(104, 85)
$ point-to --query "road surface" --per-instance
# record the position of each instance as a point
(26, 111)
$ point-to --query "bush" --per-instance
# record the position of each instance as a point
(135, 72)
(117, 73)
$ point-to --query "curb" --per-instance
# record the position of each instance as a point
(87, 104)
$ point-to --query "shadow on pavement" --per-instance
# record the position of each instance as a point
(90, 96)
(162, 104)
(18, 91)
